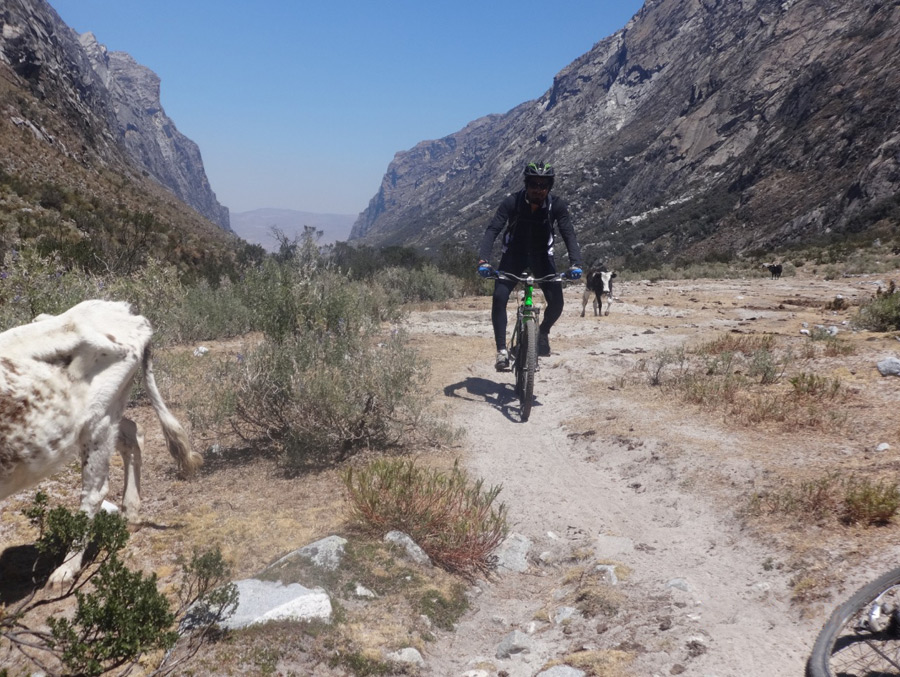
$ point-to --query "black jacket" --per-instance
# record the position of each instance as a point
(530, 232)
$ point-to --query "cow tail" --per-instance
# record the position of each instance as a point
(177, 440)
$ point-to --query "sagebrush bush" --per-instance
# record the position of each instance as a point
(320, 398)
(882, 313)
(427, 283)
(869, 502)
(851, 499)
(453, 519)
(31, 284)
(816, 387)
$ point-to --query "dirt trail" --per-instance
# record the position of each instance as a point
(639, 482)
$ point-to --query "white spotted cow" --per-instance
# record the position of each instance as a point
(64, 384)
(598, 283)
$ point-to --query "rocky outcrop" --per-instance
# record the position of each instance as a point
(149, 135)
(110, 101)
(701, 128)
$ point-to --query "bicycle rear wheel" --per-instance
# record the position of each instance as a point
(526, 366)
(862, 637)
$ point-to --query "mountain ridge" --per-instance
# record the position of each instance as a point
(702, 128)
(106, 98)
(69, 187)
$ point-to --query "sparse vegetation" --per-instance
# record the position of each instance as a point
(850, 499)
(453, 519)
(882, 313)
(120, 615)
(741, 376)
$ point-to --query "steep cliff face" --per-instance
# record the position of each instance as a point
(46, 55)
(702, 127)
(108, 100)
(149, 135)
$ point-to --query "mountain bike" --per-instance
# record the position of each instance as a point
(523, 347)
(862, 637)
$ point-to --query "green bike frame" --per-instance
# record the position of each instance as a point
(523, 346)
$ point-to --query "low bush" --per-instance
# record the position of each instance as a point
(882, 313)
(451, 518)
(816, 387)
(120, 615)
(317, 398)
(869, 502)
(850, 499)
(735, 374)
(427, 283)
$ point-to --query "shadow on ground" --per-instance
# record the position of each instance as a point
(501, 396)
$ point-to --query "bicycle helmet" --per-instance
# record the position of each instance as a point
(539, 169)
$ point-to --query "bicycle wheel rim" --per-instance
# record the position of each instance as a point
(862, 636)
(529, 366)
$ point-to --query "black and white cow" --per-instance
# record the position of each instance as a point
(597, 282)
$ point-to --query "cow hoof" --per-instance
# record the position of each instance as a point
(60, 579)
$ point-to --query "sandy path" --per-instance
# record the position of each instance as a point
(611, 474)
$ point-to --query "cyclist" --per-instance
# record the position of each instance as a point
(529, 217)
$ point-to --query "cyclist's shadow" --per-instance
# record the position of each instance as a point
(501, 396)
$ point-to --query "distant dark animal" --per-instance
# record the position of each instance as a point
(774, 269)
(597, 282)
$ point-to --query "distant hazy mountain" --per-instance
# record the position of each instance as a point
(256, 226)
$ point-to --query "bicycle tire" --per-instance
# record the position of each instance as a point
(862, 636)
(516, 364)
(528, 351)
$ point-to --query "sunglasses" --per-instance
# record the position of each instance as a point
(539, 185)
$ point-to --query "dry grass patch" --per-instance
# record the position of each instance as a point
(752, 380)
(598, 663)
(850, 499)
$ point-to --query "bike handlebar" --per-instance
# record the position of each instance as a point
(530, 279)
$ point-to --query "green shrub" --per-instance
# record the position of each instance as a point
(120, 615)
(870, 502)
(851, 499)
(815, 387)
(320, 397)
(208, 312)
(882, 313)
(420, 284)
(123, 617)
(452, 519)
(31, 284)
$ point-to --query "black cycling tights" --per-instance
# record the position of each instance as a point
(553, 292)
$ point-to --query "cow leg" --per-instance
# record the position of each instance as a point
(598, 304)
(130, 444)
(608, 304)
(584, 300)
(95, 454)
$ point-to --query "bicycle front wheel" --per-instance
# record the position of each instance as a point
(528, 365)
(862, 637)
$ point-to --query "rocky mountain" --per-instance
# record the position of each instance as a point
(703, 128)
(256, 226)
(108, 104)
(149, 135)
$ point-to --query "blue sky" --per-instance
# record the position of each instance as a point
(302, 105)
